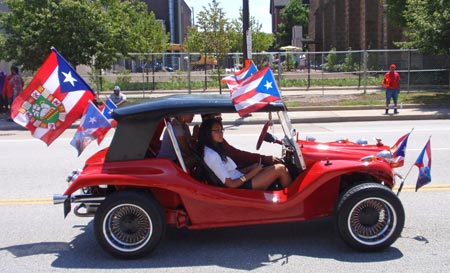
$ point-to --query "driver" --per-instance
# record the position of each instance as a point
(241, 158)
(255, 176)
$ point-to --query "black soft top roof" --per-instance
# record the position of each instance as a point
(136, 124)
(183, 104)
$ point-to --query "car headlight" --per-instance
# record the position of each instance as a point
(386, 154)
(362, 141)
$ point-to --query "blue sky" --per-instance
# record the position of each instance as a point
(260, 9)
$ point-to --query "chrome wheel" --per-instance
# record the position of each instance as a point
(129, 224)
(370, 217)
(372, 221)
(127, 227)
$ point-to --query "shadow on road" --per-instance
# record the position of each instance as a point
(242, 248)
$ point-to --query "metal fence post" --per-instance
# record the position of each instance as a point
(189, 72)
(153, 71)
(279, 69)
(409, 70)
(365, 70)
(322, 69)
(309, 69)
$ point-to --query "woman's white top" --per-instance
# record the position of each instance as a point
(222, 169)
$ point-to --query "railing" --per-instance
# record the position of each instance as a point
(320, 71)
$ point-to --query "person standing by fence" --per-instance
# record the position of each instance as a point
(391, 82)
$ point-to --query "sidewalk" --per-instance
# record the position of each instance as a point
(318, 115)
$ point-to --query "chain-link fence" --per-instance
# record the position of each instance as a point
(333, 70)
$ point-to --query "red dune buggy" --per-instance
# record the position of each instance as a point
(133, 195)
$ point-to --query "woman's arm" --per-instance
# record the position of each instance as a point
(236, 183)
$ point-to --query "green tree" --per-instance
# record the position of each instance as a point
(395, 9)
(261, 41)
(85, 32)
(293, 14)
(428, 26)
(211, 33)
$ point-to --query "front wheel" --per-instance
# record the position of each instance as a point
(129, 224)
(370, 217)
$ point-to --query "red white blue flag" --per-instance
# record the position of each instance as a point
(398, 151)
(54, 99)
(107, 108)
(255, 92)
(238, 77)
(423, 162)
(93, 125)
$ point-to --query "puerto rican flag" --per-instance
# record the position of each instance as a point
(423, 162)
(53, 100)
(107, 108)
(398, 151)
(255, 92)
(238, 77)
(93, 125)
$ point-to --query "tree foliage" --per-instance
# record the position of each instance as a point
(211, 33)
(293, 14)
(216, 34)
(85, 32)
(395, 9)
(261, 41)
(428, 26)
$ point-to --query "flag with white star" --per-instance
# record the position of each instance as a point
(234, 80)
(255, 92)
(93, 125)
(53, 100)
(423, 162)
(398, 151)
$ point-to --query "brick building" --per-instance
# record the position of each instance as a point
(176, 17)
(356, 24)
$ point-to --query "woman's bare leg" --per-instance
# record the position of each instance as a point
(269, 174)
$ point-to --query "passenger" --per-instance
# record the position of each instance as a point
(241, 158)
(255, 176)
(184, 138)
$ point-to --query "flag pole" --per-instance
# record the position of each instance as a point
(403, 180)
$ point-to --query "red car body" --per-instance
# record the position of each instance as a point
(324, 174)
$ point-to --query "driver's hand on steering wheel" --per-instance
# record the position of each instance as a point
(276, 160)
(271, 160)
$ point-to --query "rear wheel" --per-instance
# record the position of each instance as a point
(370, 217)
(129, 224)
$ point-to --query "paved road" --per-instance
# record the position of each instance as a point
(36, 238)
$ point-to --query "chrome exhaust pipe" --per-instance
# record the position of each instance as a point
(59, 199)
(80, 198)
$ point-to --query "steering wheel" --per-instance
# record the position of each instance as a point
(263, 133)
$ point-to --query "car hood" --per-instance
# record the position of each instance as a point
(343, 150)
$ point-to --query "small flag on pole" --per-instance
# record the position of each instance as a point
(398, 151)
(234, 80)
(255, 92)
(423, 162)
(93, 125)
(107, 108)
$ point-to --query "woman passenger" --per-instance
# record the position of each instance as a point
(255, 176)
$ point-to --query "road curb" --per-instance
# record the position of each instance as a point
(296, 117)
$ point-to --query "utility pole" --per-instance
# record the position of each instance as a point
(245, 28)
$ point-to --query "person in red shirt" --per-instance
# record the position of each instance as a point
(391, 82)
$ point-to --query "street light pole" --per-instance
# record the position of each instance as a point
(245, 27)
